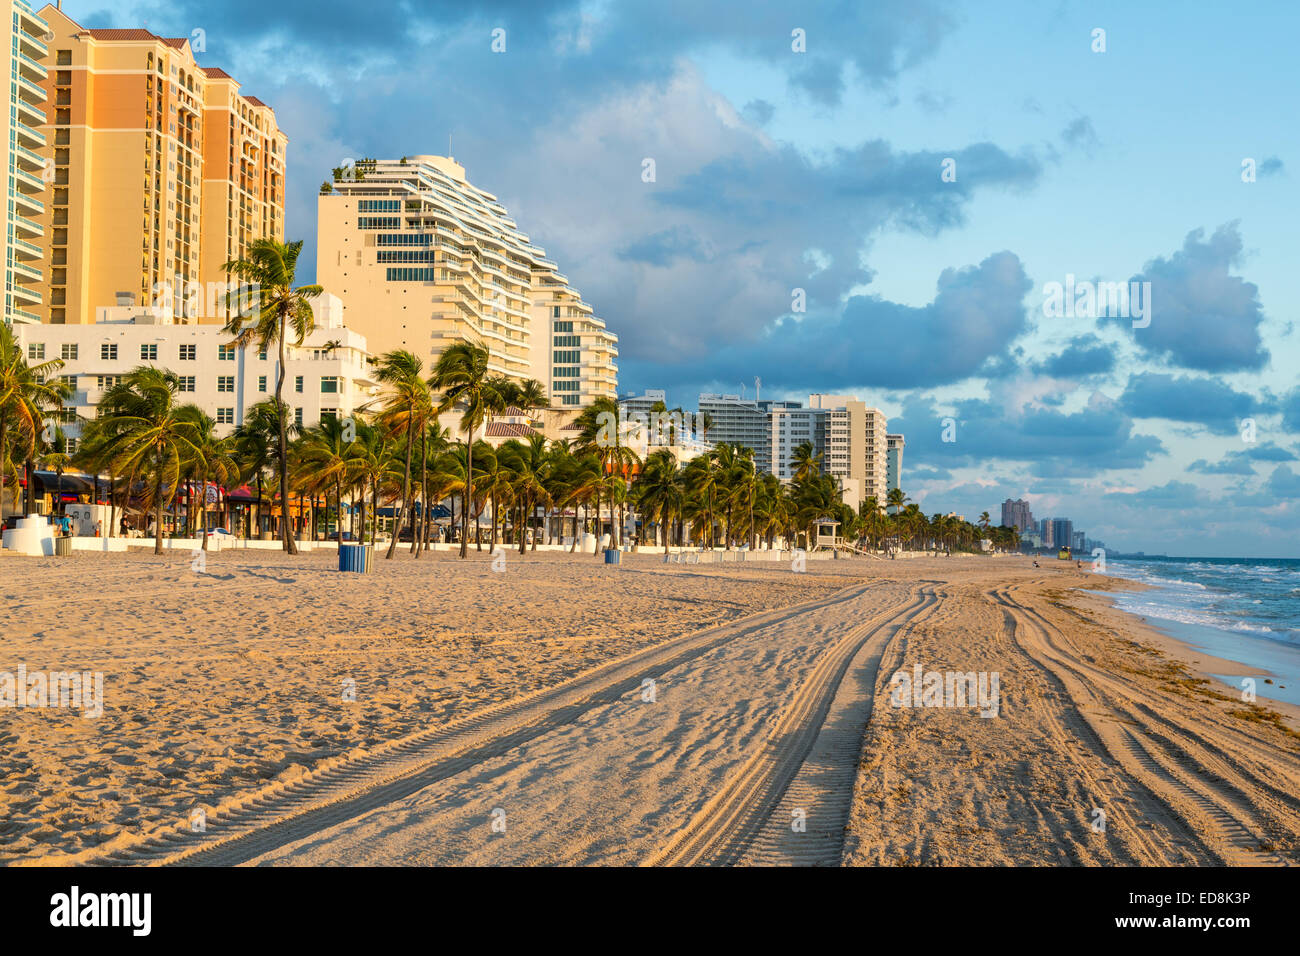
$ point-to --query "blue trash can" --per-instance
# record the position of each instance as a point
(355, 557)
(611, 556)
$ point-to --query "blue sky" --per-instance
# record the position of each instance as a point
(820, 170)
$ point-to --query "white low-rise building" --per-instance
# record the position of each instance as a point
(329, 374)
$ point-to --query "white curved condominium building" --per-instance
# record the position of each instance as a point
(422, 258)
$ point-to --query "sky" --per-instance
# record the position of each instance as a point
(874, 199)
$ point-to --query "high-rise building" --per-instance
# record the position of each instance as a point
(1016, 514)
(735, 421)
(1062, 532)
(163, 172)
(1080, 540)
(790, 425)
(24, 55)
(856, 446)
(1045, 533)
(423, 258)
(633, 404)
(894, 469)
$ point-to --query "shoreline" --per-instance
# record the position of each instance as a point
(1206, 665)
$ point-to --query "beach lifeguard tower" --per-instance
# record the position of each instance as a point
(827, 534)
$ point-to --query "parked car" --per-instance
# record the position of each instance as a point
(212, 531)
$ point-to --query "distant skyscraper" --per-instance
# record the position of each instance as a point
(1016, 514)
(894, 461)
(1080, 542)
(1045, 532)
(1062, 532)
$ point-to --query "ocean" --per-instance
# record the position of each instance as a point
(1242, 609)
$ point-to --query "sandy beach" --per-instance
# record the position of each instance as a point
(568, 712)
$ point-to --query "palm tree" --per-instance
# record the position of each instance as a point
(805, 461)
(26, 395)
(326, 454)
(660, 490)
(212, 460)
(405, 410)
(529, 465)
(532, 395)
(149, 436)
(461, 376)
(282, 310)
(255, 441)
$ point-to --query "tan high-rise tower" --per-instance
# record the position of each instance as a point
(163, 171)
(23, 56)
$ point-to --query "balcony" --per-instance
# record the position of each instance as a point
(29, 180)
(33, 139)
(28, 204)
(33, 90)
(30, 68)
(31, 159)
(29, 114)
(28, 249)
(25, 272)
(28, 293)
(33, 229)
(23, 316)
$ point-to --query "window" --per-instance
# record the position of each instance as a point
(566, 386)
(225, 383)
(225, 353)
(261, 355)
(36, 350)
(261, 383)
(297, 417)
(411, 275)
(555, 311)
(329, 414)
(329, 383)
(566, 371)
(560, 358)
(68, 352)
(406, 239)
(567, 341)
(225, 416)
(108, 352)
(563, 326)
(189, 353)
(105, 381)
(380, 205)
(149, 353)
(406, 255)
(379, 222)
(297, 383)
(187, 383)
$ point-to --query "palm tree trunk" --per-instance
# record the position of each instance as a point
(424, 493)
(468, 494)
(406, 493)
(597, 551)
(203, 515)
(157, 514)
(286, 538)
